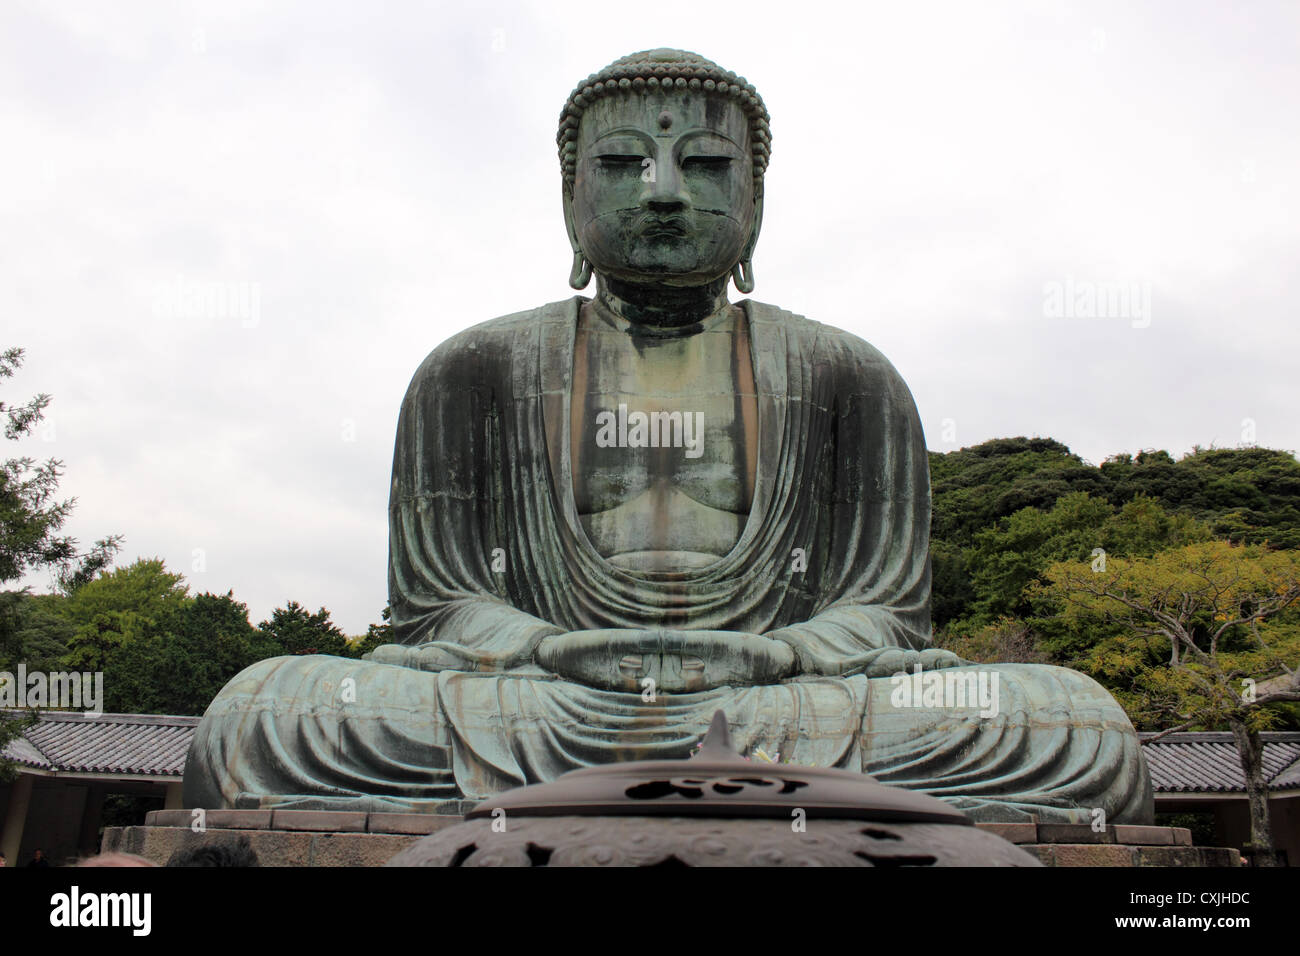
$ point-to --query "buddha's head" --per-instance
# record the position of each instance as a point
(663, 154)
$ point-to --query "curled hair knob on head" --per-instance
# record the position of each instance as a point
(667, 69)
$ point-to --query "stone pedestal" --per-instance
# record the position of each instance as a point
(1081, 845)
(281, 837)
(329, 838)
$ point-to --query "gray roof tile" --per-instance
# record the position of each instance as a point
(1207, 762)
(126, 744)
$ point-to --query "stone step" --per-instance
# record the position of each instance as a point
(1076, 833)
(313, 821)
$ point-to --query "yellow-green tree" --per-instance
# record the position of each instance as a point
(1198, 636)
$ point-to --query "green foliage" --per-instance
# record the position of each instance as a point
(181, 666)
(1246, 495)
(34, 631)
(292, 630)
(1006, 641)
(973, 487)
(1200, 822)
(1200, 635)
(128, 809)
(376, 634)
(30, 520)
(121, 608)
(12, 728)
(1005, 560)
(988, 544)
(161, 650)
(30, 516)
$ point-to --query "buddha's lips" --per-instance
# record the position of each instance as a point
(654, 226)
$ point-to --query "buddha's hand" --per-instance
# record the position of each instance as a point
(893, 660)
(649, 662)
(435, 656)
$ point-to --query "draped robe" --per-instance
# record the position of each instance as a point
(487, 556)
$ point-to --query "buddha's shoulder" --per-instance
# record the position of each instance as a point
(476, 351)
(826, 346)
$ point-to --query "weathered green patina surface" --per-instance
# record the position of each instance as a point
(612, 516)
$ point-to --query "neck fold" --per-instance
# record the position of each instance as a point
(662, 310)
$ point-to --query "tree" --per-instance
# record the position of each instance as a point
(973, 488)
(292, 630)
(38, 629)
(119, 608)
(11, 728)
(1004, 560)
(179, 667)
(1206, 634)
(30, 521)
(30, 517)
(1006, 641)
(376, 634)
(1244, 495)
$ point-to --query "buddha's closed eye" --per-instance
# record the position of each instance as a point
(706, 164)
(621, 161)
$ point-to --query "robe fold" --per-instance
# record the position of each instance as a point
(487, 556)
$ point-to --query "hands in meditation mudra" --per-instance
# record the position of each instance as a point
(612, 516)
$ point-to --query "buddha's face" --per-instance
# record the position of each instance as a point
(663, 187)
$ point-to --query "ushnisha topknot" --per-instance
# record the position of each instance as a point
(651, 69)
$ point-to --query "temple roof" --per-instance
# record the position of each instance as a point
(121, 744)
(1207, 762)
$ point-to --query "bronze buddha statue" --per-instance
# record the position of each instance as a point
(612, 516)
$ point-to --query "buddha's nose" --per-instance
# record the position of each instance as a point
(666, 194)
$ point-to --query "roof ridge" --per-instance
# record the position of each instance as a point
(156, 720)
(1216, 736)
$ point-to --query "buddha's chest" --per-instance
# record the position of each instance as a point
(663, 440)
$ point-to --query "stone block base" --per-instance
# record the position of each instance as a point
(273, 847)
(1081, 845)
(332, 838)
(281, 837)
(1094, 854)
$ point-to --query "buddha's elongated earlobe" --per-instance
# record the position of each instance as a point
(580, 274)
(742, 273)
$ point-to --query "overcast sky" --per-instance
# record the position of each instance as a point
(363, 180)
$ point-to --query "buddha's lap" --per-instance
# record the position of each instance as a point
(1057, 742)
(325, 689)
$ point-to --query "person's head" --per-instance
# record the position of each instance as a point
(237, 852)
(115, 859)
(38, 854)
(663, 154)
